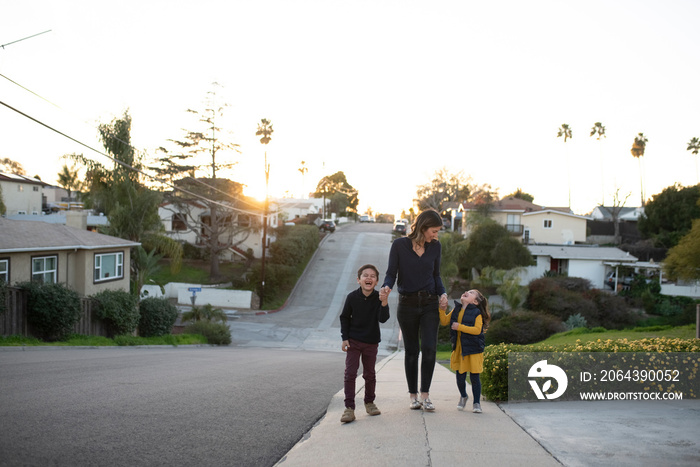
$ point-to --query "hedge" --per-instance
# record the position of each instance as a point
(494, 379)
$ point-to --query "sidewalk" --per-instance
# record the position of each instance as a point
(400, 436)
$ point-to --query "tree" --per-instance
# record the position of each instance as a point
(205, 150)
(668, 216)
(265, 130)
(683, 260)
(342, 195)
(303, 169)
(617, 206)
(598, 131)
(520, 194)
(638, 147)
(130, 207)
(565, 131)
(694, 147)
(8, 165)
(490, 244)
(445, 187)
(69, 178)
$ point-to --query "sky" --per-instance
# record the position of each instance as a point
(388, 92)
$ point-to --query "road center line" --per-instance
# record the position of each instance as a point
(340, 291)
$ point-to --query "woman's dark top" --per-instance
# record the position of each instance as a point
(415, 273)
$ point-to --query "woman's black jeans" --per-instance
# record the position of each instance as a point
(419, 320)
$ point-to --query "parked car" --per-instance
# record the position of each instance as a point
(327, 226)
(624, 281)
(366, 219)
(400, 226)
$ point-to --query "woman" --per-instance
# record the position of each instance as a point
(414, 265)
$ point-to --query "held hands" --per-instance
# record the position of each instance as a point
(345, 346)
(384, 294)
(455, 326)
(443, 301)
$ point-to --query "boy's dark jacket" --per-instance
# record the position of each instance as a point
(361, 316)
(471, 344)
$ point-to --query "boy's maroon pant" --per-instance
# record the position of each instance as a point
(368, 353)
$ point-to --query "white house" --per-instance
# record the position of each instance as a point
(21, 194)
(553, 226)
(587, 261)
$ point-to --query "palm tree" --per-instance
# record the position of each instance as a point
(638, 147)
(68, 178)
(265, 130)
(303, 169)
(599, 130)
(565, 131)
(694, 146)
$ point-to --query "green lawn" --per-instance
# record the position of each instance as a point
(196, 272)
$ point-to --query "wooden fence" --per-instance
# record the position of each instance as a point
(14, 320)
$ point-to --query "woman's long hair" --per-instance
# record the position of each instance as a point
(425, 220)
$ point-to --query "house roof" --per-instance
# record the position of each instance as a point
(555, 211)
(627, 213)
(20, 236)
(5, 177)
(582, 252)
(513, 204)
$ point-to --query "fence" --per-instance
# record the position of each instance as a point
(14, 320)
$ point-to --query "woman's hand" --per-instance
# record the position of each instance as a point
(455, 326)
(345, 346)
(443, 301)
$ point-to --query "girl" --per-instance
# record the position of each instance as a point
(468, 322)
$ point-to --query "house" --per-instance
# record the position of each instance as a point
(588, 261)
(21, 194)
(601, 228)
(290, 209)
(186, 223)
(531, 222)
(87, 262)
(85, 219)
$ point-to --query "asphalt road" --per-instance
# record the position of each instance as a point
(242, 405)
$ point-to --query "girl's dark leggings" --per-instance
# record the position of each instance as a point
(419, 321)
(476, 385)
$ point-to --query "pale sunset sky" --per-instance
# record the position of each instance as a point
(386, 91)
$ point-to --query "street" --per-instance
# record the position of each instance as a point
(246, 404)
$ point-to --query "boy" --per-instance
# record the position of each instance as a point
(364, 309)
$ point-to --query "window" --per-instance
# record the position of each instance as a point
(179, 222)
(109, 266)
(548, 223)
(44, 269)
(35, 188)
(5, 270)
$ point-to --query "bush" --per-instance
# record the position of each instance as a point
(523, 327)
(205, 313)
(119, 310)
(157, 318)
(214, 333)
(494, 379)
(52, 310)
(575, 321)
(567, 296)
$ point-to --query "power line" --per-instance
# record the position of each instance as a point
(124, 164)
(228, 195)
(24, 38)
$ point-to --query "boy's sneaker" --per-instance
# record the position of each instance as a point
(348, 416)
(462, 402)
(372, 409)
(428, 405)
(477, 407)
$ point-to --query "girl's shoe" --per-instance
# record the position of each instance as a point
(462, 402)
(477, 407)
(416, 404)
(427, 405)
